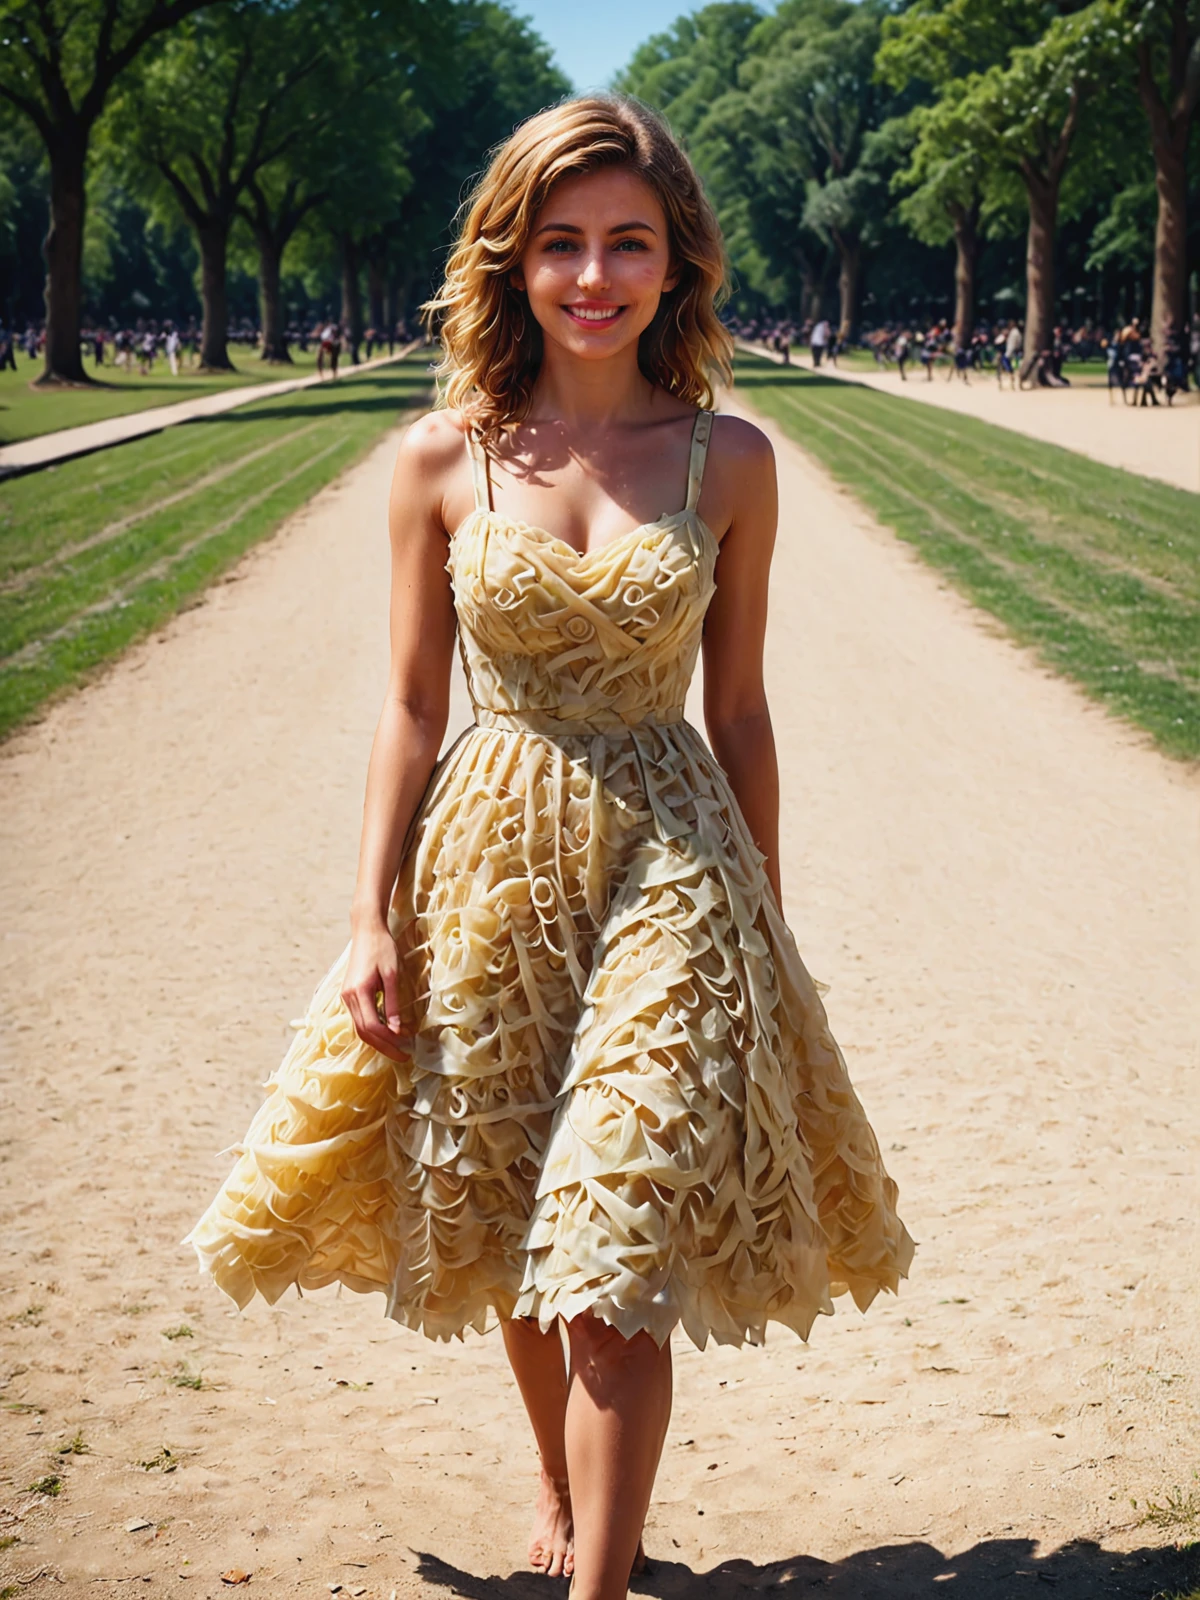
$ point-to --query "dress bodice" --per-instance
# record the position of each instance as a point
(553, 640)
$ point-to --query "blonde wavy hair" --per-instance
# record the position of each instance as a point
(491, 344)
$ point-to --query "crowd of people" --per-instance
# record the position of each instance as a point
(998, 349)
(177, 345)
(1134, 368)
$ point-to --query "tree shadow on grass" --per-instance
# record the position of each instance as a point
(994, 1569)
(348, 403)
(789, 378)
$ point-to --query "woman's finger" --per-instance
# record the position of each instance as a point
(391, 1000)
(371, 1029)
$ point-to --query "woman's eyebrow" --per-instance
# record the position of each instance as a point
(620, 227)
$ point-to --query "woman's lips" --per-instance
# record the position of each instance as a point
(594, 316)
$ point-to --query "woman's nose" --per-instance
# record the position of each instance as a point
(593, 273)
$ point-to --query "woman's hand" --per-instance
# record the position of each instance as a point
(371, 987)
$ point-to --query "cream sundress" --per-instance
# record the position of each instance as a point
(623, 1096)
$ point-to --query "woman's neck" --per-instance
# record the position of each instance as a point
(591, 394)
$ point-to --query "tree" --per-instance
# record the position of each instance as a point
(1166, 40)
(209, 114)
(485, 72)
(276, 202)
(944, 181)
(1016, 76)
(810, 78)
(58, 66)
(782, 147)
(692, 73)
(1032, 113)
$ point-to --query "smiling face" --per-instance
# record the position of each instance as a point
(597, 263)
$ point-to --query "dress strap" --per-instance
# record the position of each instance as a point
(701, 433)
(480, 478)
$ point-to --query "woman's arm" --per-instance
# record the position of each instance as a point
(735, 700)
(413, 720)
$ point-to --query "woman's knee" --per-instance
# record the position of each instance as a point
(599, 1348)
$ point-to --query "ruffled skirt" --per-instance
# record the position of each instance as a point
(623, 1095)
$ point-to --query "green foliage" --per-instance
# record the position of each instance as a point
(947, 166)
(1095, 569)
(1125, 237)
(781, 113)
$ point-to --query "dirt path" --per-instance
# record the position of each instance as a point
(1156, 441)
(999, 884)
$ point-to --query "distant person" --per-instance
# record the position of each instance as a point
(1010, 355)
(329, 349)
(98, 347)
(930, 347)
(1175, 374)
(901, 351)
(8, 350)
(819, 342)
(172, 347)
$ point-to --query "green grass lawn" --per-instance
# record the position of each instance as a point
(98, 551)
(26, 412)
(1096, 569)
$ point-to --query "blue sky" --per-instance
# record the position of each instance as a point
(591, 43)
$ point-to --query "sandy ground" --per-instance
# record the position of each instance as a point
(1159, 443)
(998, 882)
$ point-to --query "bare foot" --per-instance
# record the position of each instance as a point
(551, 1544)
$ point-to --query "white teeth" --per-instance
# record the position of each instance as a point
(594, 316)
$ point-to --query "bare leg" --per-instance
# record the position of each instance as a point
(618, 1408)
(538, 1366)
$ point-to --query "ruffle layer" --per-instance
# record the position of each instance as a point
(623, 1097)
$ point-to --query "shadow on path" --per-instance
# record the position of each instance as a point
(996, 1569)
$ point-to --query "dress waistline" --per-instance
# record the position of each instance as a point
(546, 722)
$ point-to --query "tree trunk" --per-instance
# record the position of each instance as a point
(1039, 268)
(850, 252)
(213, 239)
(270, 260)
(966, 255)
(63, 249)
(352, 316)
(1170, 247)
(376, 288)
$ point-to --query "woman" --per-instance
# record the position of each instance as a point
(571, 1067)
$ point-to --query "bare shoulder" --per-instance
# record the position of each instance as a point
(740, 444)
(432, 479)
(739, 487)
(434, 442)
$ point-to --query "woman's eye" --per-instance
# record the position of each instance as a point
(632, 244)
(559, 247)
